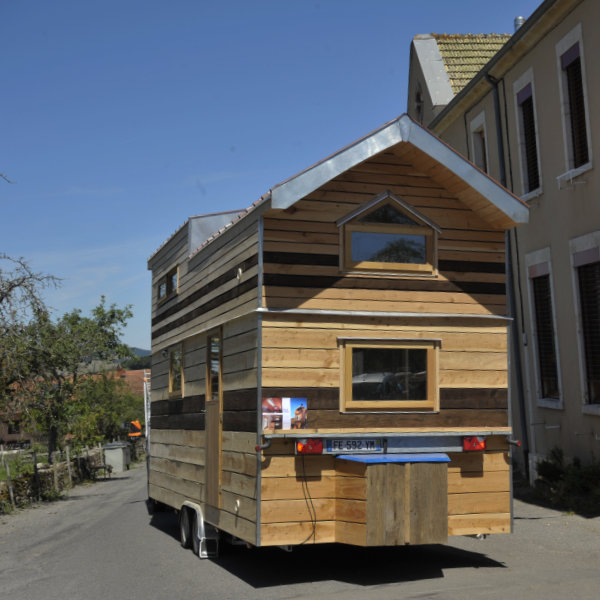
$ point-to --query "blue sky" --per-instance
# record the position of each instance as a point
(121, 118)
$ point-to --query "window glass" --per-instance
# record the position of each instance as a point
(172, 282)
(176, 371)
(389, 374)
(214, 368)
(387, 213)
(388, 247)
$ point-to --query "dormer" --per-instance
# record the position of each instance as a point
(387, 235)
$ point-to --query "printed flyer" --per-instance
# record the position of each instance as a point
(284, 413)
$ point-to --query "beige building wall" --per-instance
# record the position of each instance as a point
(565, 210)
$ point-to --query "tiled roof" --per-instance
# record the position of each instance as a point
(464, 55)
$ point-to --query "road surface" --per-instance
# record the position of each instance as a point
(101, 544)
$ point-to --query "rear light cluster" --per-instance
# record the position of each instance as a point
(309, 446)
(474, 444)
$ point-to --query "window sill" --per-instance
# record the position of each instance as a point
(549, 403)
(591, 409)
(533, 195)
(571, 174)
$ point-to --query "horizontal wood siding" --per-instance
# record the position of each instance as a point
(302, 249)
(218, 283)
(302, 359)
(321, 499)
(177, 474)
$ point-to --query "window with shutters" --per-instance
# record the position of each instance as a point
(545, 348)
(589, 299)
(574, 100)
(527, 132)
(479, 142)
(585, 259)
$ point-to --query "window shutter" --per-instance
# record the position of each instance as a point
(531, 161)
(577, 111)
(545, 337)
(589, 295)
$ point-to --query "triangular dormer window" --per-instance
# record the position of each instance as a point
(387, 234)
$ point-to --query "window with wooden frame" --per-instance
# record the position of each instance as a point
(388, 235)
(168, 285)
(214, 362)
(393, 375)
(176, 371)
(574, 99)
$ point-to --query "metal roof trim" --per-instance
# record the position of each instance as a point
(401, 129)
(292, 190)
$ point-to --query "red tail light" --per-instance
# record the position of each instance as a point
(309, 446)
(474, 444)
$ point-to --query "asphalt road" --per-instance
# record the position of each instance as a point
(101, 544)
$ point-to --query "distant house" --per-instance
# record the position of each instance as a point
(527, 117)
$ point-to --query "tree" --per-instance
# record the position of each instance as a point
(21, 303)
(104, 403)
(61, 354)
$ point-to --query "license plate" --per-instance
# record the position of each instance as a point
(345, 445)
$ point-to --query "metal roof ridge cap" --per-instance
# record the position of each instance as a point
(305, 182)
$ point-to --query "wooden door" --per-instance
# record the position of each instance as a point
(214, 417)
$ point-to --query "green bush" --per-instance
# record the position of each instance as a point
(569, 485)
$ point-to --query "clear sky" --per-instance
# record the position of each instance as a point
(121, 118)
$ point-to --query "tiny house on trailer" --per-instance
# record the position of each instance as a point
(330, 365)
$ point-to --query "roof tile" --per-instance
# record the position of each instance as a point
(464, 55)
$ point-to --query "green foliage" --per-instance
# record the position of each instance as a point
(60, 355)
(137, 363)
(103, 404)
(570, 486)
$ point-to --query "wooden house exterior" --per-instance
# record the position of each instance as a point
(369, 292)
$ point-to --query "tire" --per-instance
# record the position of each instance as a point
(185, 528)
(194, 534)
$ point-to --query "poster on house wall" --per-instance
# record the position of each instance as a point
(284, 413)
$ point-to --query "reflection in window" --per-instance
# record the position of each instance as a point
(388, 248)
(175, 371)
(389, 374)
(214, 368)
(388, 235)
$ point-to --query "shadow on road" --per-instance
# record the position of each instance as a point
(267, 567)
(270, 567)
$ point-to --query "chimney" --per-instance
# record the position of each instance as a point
(518, 22)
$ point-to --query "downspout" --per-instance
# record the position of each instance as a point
(510, 284)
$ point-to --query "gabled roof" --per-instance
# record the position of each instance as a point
(464, 55)
(428, 154)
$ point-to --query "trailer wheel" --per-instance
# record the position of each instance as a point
(186, 534)
(194, 534)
